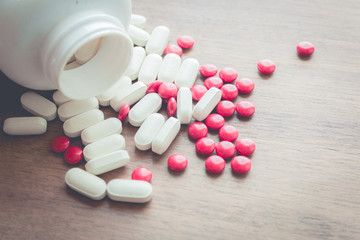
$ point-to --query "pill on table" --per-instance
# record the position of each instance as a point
(266, 66)
(87, 51)
(208, 70)
(59, 98)
(136, 61)
(215, 164)
(104, 146)
(60, 144)
(184, 105)
(206, 104)
(73, 155)
(225, 149)
(132, 94)
(198, 91)
(177, 162)
(245, 146)
(165, 136)
(168, 90)
(139, 36)
(215, 121)
(100, 130)
(228, 133)
(197, 130)
(154, 87)
(108, 162)
(85, 183)
(150, 68)
(124, 112)
(172, 48)
(213, 82)
(245, 108)
(205, 146)
(158, 40)
(225, 108)
(133, 191)
(187, 73)
(148, 130)
(305, 48)
(75, 107)
(142, 174)
(185, 41)
(138, 21)
(121, 85)
(75, 125)
(240, 164)
(245, 85)
(229, 92)
(171, 107)
(25, 126)
(228, 74)
(169, 68)
(38, 105)
(149, 104)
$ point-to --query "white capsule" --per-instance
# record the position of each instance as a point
(207, 103)
(169, 67)
(121, 85)
(104, 146)
(187, 73)
(108, 162)
(165, 136)
(148, 130)
(72, 65)
(135, 64)
(138, 21)
(87, 51)
(25, 126)
(132, 94)
(139, 36)
(158, 40)
(150, 68)
(75, 107)
(75, 125)
(85, 183)
(133, 191)
(38, 105)
(100, 130)
(59, 98)
(184, 109)
(149, 104)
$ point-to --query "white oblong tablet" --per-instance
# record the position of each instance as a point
(75, 125)
(139, 36)
(59, 98)
(184, 109)
(108, 162)
(138, 21)
(121, 85)
(148, 130)
(137, 59)
(169, 67)
(100, 130)
(133, 191)
(130, 96)
(25, 126)
(75, 107)
(158, 40)
(38, 105)
(207, 103)
(87, 51)
(149, 104)
(104, 146)
(166, 135)
(150, 68)
(85, 183)
(187, 73)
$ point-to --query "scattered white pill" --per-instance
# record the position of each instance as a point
(108, 162)
(149, 104)
(138, 21)
(158, 40)
(148, 130)
(75, 107)
(150, 68)
(72, 65)
(133, 191)
(75, 125)
(100, 130)
(207, 103)
(137, 59)
(85, 183)
(139, 36)
(132, 94)
(184, 109)
(165, 136)
(122, 84)
(187, 73)
(169, 67)
(104, 146)
(25, 126)
(87, 51)
(59, 98)
(38, 105)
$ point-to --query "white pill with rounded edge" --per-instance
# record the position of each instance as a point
(187, 73)
(184, 109)
(85, 183)
(149, 104)
(121, 85)
(148, 130)
(138, 21)
(207, 103)
(130, 96)
(38, 105)
(150, 68)
(137, 59)
(139, 36)
(75, 125)
(75, 107)
(133, 191)
(87, 51)
(100, 130)
(104, 146)
(166, 135)
(108, 162)
(158, 40)
(169, 67)
(59, 98)
(25, 126)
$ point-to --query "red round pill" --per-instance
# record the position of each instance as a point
(225, 149)
(124, 112)
(185, 41)
(228, 133)
(228, 74)
(225, 108)
(245, 146)
(197, 130)
(142, 174)
(177, 162)
(229, 92)
(245, 85)
(215, 121)
(205, 146)
(266, 66)
(198, 91)
(213, 82)
(215, 164)
(168, 90)
(245, 108)
(208, 70)
(171, 107)
(60, 144)
(153, 87)
(305, 48)
(240, 164)
(73, 155)
(173, 48)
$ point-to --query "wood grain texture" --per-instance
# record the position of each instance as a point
(304, 182)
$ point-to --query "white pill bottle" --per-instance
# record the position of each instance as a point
(39, 37)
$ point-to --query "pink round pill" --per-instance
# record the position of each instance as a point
(153, 87)
(198, 91)
(245, 108)
(168, 90)
(171, 107)
(60, 144)
(177, 162)
(214, 121)
(172, 48)
(266, 66)
(124, 112)
(305, 48)
(228, 133)
(245, 85)
(213, 82)
(197, 130)
(228, 74)
(240, 164)
(142, 174)
(229, 92)
(225, 149)
(73, 155)
(185, 41)
(208, 70)
(205, 146)
(215, 164)
(245, 146)
(225, 108)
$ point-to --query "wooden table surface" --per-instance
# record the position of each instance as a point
(304, 182)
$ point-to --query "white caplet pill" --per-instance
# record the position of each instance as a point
(104, 146)
(59, 98)
(75, 125)
(207, 103)
(150, 68)
(184, 109)
(169, 67)
(75, 107)
(25, 126)
(148, 130)
(121, 85)
(108, 162)
(139, 36)
(166, 135)
(158, 40)
(85, 183)
(138, 21)
(187, 73)
(100, 130)
(72, 65)
(135, 64)
(87, 51)
(133, 191)
(149, 104)
(130, 96)
(38, 105)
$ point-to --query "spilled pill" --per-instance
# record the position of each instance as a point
(139, 36)
(100, 130)
(104, 146)
(150, 68)
(136, 61)
(75, 125)
(38, 105)
(138, 20)
(148, 130)
(187, 73)
(206, 104)
(59, 98)
(108, 162)
(132, 94)
(165, 136)
(133, 191)
(25, 126)
(158, 40)
(75, 107)
(184, 105)
(169, 68)
(149, 104)
(123, 83)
